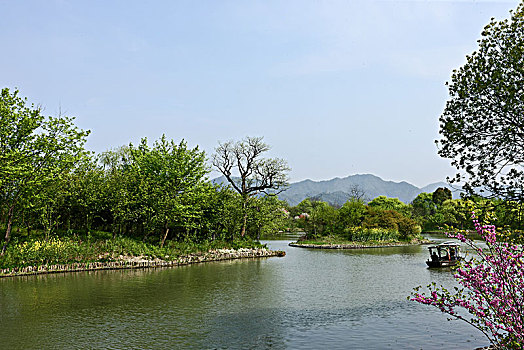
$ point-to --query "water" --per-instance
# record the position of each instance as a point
(310, 299)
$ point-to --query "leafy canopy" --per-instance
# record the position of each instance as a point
(482, 126)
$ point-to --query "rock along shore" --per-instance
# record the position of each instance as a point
(139, 262)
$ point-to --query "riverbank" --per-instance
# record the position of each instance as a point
(358, 245)
(140, 262)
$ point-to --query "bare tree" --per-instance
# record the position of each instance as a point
(249, 174)
(357, 193)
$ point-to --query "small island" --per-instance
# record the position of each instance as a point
(334, 243)
(383, 222)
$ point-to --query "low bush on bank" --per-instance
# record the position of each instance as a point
(393, 222)
(360, 234)
(101, 247)
(332, 241)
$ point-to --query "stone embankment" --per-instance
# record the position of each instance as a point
(137, 262)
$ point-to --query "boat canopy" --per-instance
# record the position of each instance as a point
(447, 250)
(445, 244)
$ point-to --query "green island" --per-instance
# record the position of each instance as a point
(337, 243)
(388, 222)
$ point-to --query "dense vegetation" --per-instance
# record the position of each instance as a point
(156, 200)
(482, 127)
(152, 199)
(354, 221)
(390, 219)
(482, 133)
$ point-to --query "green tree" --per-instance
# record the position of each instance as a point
(116, 165)
(482, 126)
(267, 216)
(88, 193)
(391, 220)
(256, 175)
(423, 207)
(228, 216)
(385, 203)
(351, 214)
(167, 177)
(440, 195)
(303, 207)
(35, 151)
(323, 219)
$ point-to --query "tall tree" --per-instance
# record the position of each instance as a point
(168, 176)
(34, 151)
(256, 175)
(482, 126)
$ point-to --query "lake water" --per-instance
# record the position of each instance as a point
(310, 299)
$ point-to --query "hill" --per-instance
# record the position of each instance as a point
(337, 191)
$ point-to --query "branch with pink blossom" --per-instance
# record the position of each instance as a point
(491, 292)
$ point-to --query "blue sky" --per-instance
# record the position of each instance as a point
(335, 87)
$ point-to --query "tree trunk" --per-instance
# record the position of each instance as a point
(8, 231)
(244, 222)
(87, 224)
(165, 235)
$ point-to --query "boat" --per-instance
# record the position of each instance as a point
(444, 254)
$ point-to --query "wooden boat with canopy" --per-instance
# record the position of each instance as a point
(444, 254)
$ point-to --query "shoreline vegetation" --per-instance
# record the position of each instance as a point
(64, 208)
(99, 250)
(334, 243)
(141, 261)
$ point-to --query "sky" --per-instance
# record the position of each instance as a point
(336, 88)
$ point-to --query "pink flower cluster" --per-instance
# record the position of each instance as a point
(491, 297)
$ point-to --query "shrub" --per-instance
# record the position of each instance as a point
(393, 221)
(360, 234)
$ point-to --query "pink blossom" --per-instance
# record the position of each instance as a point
(492, 289)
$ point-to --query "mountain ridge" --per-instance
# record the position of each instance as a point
(337, 191)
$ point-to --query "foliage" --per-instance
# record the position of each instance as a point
(101, 246)
(392, 220)
(49, 184)
(268, 216)
(303, 207)
(366, 234)
(385, 203)
(440, 195)
(423, 208)
(358, 237)
(352, 214)
(355, 221)
(165, 180)
(35, 152)
(492, 291)
(323, 219)
(482, 126)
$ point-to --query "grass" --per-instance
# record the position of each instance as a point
(101, 247)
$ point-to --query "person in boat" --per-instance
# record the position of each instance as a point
(434, 257)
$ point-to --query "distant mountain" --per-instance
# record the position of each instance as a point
(337, 191)
(221, 180)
